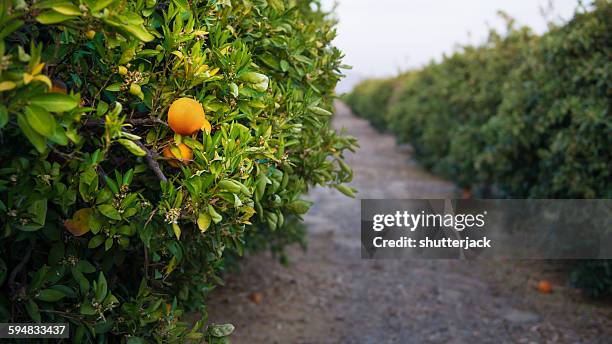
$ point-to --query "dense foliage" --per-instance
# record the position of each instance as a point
(371, 98)
(520, 116)
(98, 228)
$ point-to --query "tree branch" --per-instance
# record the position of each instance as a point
(151, 121)
(24, 260)
(153, 165)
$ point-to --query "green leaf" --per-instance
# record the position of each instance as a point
(299, 207)
(79, 334)
(99, 5)
(234, 89)
(109, 211)
(59, 136)
(108, 244)
(319, 111)
(284, 65)
(80, 278)
(67, 291)
(50, 295)
(55, 102)
(96, 241)
(111, 185)
(3, 116)
(88, 183)
(40, 120)
(10, 27)
(203, 221)
(346, 190)
(139, 32)
(35, 138)
(127, 178)
(229, 185)
(216, 217)
(101, 288)
(87, 308)
(132, 147)
(116, 87)
(67, 9)
(85, 267)
(254, 78)
(38, 209)
(278, 5)
(104, 326)
(52, 17)
(32, 309)
(220, 331)
(303, 59)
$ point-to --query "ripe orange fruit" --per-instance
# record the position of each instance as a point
(90, 34)
(79, 224)
(544, 287)
(256, 297)
(180, 153)
(186, 116)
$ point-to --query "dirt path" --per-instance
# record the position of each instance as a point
(330, 295)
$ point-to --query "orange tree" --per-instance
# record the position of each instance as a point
(115, 218)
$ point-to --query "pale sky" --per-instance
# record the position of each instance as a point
(382, 37)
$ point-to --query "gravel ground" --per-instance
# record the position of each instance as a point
(329, 294)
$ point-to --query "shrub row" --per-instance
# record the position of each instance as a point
(525, 115)
(99, 228)
(521, 116)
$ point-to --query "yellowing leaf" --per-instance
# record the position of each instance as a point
(38, 68)
(171, 265)
(79, 224)
(177, 230)
(45, 79)
(203, 221)
(27, 78)
(7, 85)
